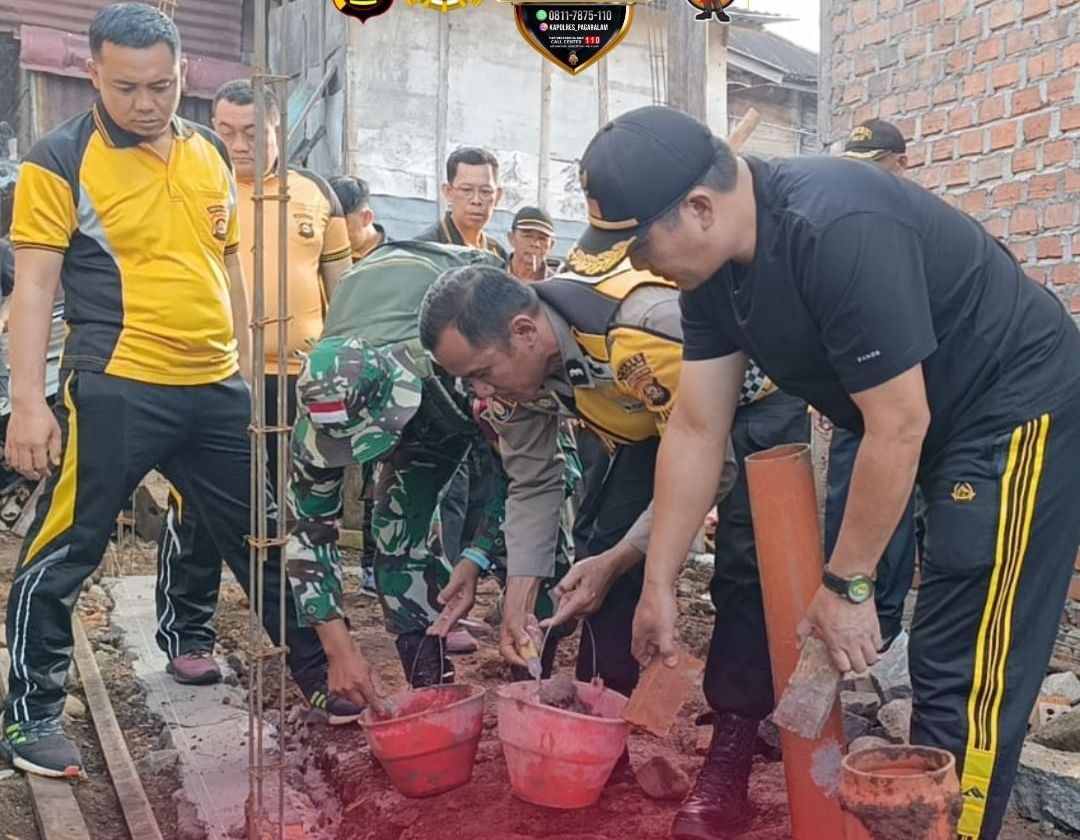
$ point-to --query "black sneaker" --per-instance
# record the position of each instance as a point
(339, 710)
(42, 748)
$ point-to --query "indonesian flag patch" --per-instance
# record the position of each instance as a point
(328, 413)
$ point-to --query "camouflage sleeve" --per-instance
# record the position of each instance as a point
(489, 531)
(312, 557)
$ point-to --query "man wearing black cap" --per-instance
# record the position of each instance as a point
(532, 236)
(898, 317)
(878, 141)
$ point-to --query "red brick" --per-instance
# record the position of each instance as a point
(875, 33)
(1042, 187)
(943, 149)
(944, 35)
(930, 123)
(988, 50)
(1019, 41)
(1070, 119)
(928, 12)
(971, 142)
(1042, 64)
(955, 8)
(905, 77)
(946, 92)
(1049, 248)
(1036, 273)
(1023, 160)
(961, 117)
(1019, 250)
(1002, 136)
(906, 127)
(1008, 194)
(1027, 100)
(886, 7)
(864, 64)
(995, 227)
(890, 106)
(1034, 8)
(914, 45)
(973, 202)
(1070, 57)
(1066, 274)
(899, 24)
(931, 69)
(1054, 29)
(971, 27)
(991, 109)
(916, 100)
(853, 42)
(863, 112)
(1060, 151)
(1023, 220)
(956, 61)
(1074, 308)
(974, 83)
(990, 169)
(861, 12)
(1058, 215)
(916, 154)
(930, 177)
(1005, 75)
(853, 92)
(1061, 89)
(1072, 184)
(1036, 127)
(1002, 14)
(958, 173)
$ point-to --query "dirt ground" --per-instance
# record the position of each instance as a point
(358, 802)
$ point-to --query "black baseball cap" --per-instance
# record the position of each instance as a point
(637, 168)
(874, 139)
(533, 218)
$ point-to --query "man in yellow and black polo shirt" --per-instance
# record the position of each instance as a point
(317, 253)
(133, 210)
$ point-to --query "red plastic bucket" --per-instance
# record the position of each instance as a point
(556, 758)
(429, 746)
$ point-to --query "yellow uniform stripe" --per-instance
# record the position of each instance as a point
(1019, 490)
(61, 513)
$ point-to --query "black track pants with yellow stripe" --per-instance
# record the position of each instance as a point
(114, 431)
(1003, 524)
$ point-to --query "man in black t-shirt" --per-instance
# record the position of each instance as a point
(899, 318)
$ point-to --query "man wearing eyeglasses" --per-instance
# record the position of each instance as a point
(472, 192)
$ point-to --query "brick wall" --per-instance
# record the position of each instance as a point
(987, 92)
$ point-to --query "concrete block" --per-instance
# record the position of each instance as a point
(855, 726)
(865, 704)
(1061, 733)
(660, 779)
(1064, 684)
(896, 718)
(1047, 786)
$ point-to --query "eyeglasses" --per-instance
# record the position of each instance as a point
(486, 194)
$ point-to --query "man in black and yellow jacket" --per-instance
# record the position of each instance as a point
(133, 210)
(608, 352)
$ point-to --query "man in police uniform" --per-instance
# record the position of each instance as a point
(369, 395)
(317, 254)
(134, 211)
(901, 318)
(606, 350)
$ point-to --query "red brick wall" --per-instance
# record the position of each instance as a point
(987, 92)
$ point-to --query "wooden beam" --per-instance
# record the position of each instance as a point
(687, 65)
(138, 814)
(55, 808)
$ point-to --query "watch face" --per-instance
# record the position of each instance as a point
(860, 589)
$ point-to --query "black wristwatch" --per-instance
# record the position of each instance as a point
(856, 590)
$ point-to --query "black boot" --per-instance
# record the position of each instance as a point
(423, 660)
(718, 807)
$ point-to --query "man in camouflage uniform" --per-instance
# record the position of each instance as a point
(366, 400)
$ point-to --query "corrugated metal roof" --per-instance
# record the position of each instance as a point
(773, 50)
(212, 28)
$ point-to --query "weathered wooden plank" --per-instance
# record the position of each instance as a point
(55, 808)
(129, 790)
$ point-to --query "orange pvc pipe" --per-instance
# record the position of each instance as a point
(790, 560)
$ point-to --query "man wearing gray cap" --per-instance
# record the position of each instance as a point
(532, 236)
